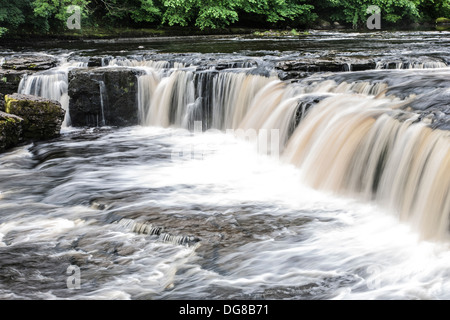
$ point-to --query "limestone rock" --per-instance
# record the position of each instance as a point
(32, 62)
(10, 130)
(103, 96)
(42, 117)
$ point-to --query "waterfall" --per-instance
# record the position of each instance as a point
(51, 84)
(345, 137)
(219, 100)
(102, 100)
(354, 146)
(158, 65)
(415, 63)
(147, 84)
(233, 94)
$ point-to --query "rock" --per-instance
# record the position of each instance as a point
(337, 25)
(10, 79)
(442, 21)
(103, 96)
(10, 130)
(98, 61)
(42, 117)
(14, 69)
(2, 102)
(442, 24)
(325, 65)
(323, 24)
(32, 62)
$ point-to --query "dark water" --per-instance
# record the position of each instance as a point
(222, 222)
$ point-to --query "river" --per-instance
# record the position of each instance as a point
(351, 201)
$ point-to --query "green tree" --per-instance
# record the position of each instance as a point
(430, 10)
(12, 14)
(354, 11)
(279, 10)
(128, 12)
(202, 13)
(54, 12)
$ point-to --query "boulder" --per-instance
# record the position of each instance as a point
(337, 25)
(10, 80)
(103, 97)
(42, 117)
(323, 24)
(10, 130)
(442, 24)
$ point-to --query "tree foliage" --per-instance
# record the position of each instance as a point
(12, 14)
(51, 15)
(54, 13)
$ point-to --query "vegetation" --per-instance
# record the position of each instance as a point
(50, 16)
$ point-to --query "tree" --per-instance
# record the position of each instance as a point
(202, 13)
(354, 11)
(12, 14)
(54, 12)
(432, 9)
(128, 12)
(279, 10)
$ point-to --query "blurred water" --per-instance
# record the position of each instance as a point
(262, 234)
(218, 221)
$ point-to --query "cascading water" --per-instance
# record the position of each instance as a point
(350, 145)
(410, 64)
(103, 97)
(52, 84)
(158, 212)
(335, 145)
(350, 142)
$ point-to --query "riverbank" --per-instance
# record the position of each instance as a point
(96, 33)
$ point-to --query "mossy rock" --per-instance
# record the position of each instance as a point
(442, 21)
(42, 117)
(10, 131)
(10, 80)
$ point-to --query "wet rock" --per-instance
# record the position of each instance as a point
(10, 130)
(15, 68)
(42, 117)
(103, 96)
(10, 79)
(325, 65)
(292, 75)
(34, 63)
(2, 102)
(98, 61)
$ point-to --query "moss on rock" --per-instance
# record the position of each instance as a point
(442, 20)
(42, 117)
(10, 130)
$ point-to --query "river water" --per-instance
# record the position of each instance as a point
(160, 212)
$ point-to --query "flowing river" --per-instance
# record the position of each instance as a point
(340, 188)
